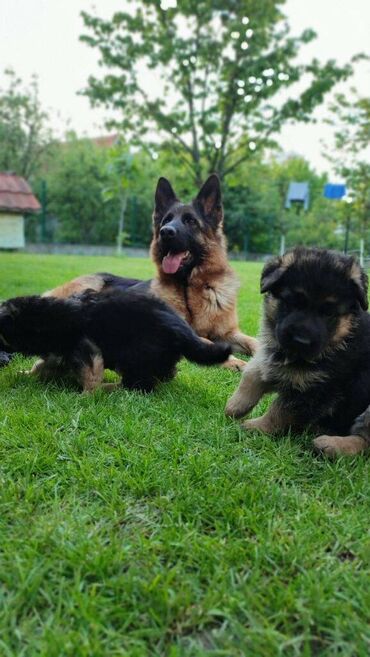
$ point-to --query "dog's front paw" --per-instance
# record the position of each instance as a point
(235, 364)
(339, 445)
(237, 406)
(256, 424)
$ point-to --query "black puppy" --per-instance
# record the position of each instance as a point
(315, 351)
(136, 335)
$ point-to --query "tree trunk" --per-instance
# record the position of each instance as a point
(121, 224)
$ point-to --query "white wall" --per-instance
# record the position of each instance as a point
(11, 231)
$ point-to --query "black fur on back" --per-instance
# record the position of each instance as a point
(139, 336)
(112, 282)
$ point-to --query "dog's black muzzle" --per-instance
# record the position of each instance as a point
(174, 237)
(167, 233)
(301, 338)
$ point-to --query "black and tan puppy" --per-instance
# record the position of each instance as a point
(315, 351)
(138, 336)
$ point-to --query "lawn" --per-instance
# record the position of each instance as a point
(151, 525)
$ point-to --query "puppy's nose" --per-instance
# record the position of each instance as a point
(168, 232)
(299, 336)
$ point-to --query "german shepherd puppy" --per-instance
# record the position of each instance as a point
(193, 274)
(314, 353)
(138, 336)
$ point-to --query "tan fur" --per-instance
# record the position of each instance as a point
(91, 377)
(288, 259)
(355, 274)
(275, 420)
(45, 369)
(76, 286)
(270, 307)
(209, 302)
(39, 368)
(340, 445)
(344, 328)
(251, 389)
(232, 363)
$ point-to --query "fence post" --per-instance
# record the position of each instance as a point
(282, 244)
(44, 202)
(362, 252)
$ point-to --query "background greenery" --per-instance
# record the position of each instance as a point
(225, 78)
(151, 525)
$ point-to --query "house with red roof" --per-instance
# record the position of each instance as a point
(16, 200)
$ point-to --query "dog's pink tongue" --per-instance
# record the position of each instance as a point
(171, 262)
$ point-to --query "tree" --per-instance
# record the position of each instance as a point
(87, 187)
(122, 172)
(349, 116)
(25, 136)
(255, 214)
(219, 66)
(75, 180)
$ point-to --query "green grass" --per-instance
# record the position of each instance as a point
(137, 526)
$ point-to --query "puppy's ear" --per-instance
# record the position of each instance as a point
(360, 281)
(271, 274)
(209, 201)
(164, 198)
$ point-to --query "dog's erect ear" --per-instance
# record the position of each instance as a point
(209, 201)
(360, 281)
(274, 270)
(271, 274)
(164, 197)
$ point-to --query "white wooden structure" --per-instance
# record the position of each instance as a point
(16, 200)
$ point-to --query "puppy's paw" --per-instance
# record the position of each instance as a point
(339, 445)
(237, 406)
(235, 364)
(255, 424)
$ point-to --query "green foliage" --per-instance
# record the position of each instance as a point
(86, 186)
(25, 136)
(219, 69)
(153, 526)
(122, 171)
(349, 116)
(255, 214)
(75, 182)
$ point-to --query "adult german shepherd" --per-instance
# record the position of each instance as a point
(193, 273)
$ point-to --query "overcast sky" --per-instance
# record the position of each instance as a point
(41, 36)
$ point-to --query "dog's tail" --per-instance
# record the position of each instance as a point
(195, 348)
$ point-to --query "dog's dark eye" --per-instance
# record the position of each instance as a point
(188, 219)
(294, 301)
(166, 219)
